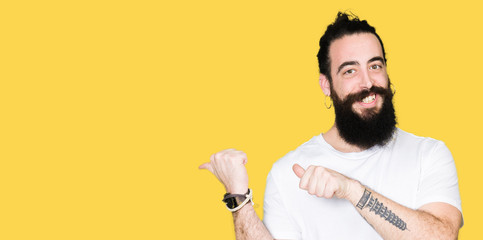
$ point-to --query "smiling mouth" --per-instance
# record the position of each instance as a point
(369, 99)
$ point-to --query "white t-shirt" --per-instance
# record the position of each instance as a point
(410, 170)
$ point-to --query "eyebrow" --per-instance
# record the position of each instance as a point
(377, 58)
(347, 64)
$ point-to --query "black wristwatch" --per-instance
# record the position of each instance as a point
(236, 201)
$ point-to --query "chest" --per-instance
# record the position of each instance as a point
(392, 176)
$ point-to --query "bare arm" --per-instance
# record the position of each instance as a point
(390, 219)
(229, 167)
(248, 225)
(394, 221)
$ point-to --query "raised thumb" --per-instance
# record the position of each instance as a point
(206, 166)
(298, 170)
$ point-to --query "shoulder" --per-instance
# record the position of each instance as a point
(423, 144)
(429, 151)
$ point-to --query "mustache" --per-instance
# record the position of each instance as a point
(355, 97)
(371, 127)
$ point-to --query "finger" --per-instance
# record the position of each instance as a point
(321, 182)
(312, 188)
(306, 177)
(321, 188)
(243, 156)
(298, 170)
(206, 166)
(329, 191)
(228, 150)
(217, 156)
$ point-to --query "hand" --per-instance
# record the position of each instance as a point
(229, 167)
(324, 182)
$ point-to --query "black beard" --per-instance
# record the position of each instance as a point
(369, 129)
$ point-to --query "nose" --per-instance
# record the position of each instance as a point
(366, 81)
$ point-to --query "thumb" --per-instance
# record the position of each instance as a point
(298, 170)
(206, 166)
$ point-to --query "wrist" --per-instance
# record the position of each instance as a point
(235, 202)
(236, 190)
(356, 192)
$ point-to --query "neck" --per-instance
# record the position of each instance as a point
(333, 138)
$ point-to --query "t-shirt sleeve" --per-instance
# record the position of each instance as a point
(275, 215)
(439, 181)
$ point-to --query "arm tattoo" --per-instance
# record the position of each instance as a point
(363, 199)
(379, 209)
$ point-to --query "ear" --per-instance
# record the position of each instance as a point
(324, 84)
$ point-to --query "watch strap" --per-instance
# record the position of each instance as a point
(235, 202)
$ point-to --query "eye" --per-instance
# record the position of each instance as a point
(350, 71)
(375, 66)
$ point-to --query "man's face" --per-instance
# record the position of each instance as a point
(362, 100)
(357, 64)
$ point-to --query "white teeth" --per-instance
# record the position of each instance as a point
(369, 99)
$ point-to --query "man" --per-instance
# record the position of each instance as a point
(362, 179)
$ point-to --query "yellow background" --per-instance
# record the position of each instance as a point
(108, 107)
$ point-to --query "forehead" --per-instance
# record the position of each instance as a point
(358, 47)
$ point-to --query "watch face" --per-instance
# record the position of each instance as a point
(235, 200)
(231, 203)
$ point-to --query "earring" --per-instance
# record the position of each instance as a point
(393, 89)
(325, 102)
